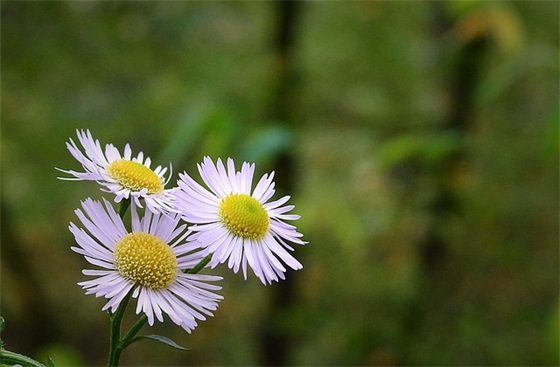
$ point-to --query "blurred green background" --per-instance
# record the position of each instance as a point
(418, 140)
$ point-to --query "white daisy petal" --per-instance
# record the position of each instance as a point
(232, 176)
(275, 204)
(120, 175)
(262, 186)
(160, 289)
(237, 226)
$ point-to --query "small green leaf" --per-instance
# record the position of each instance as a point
(164, 340)
(267, 143)
(50, 362)
(428, 149)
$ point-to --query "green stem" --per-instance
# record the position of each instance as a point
(123, 207)
(128, 338)
(12, 358)
(116, 344)
(198, 267)
(115, 347)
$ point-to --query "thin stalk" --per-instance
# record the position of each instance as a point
(115, 347)
(123, 207)
(198, 267)
(129, 337)
(116, 344)
(12, 358)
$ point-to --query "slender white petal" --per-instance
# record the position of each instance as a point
(189, 297)
(201, 206)
(95, 162)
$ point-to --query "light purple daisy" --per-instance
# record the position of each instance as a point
(124, 176)
(236, 223)
(151, 260)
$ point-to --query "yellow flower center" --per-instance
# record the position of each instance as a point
(146, 260)
(135, 176)
(244, 216)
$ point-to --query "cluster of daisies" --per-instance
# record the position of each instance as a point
(173, 230)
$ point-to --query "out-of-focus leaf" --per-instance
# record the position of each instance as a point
(63, 354)
(497, 82)
(184, 137)
(428, 149)
(459, 8)
(551, 142)
(554, 334)
(209, 131)
(221, 134)
(267, 143)
(498, 21)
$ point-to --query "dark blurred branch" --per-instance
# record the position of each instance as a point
(435, 258)
(38, 327)
(273, 335)
(465, 77)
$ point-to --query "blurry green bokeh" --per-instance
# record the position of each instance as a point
(366, 95)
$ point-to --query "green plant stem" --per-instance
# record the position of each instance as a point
(198, 267)
(12, 358)
(129, 337)
(115, 345)
(123, 207)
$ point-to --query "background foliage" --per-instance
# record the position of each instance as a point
(419, 142)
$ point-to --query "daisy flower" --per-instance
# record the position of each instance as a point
(236, 223)
(150, 260)
(124, 176)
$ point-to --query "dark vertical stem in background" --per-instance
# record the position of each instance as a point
(37, 328)
(273, 335)
(435, 258)
(464, 79)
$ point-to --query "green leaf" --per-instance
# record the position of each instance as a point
(185, 136)
(50, 362)
(428, 149)
(198, 267)
(162, 339)
(267, 143)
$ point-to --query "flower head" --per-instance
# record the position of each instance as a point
(236, 223)
(124, 176)
(150, 260)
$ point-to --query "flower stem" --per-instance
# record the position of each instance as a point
(128, 338)
(115, 347)
(12, 358)
(123, 207)
(198, 267)
(116, 344)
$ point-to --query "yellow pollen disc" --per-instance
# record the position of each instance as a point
(135, 176)
(146, 260)
(244, 216)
